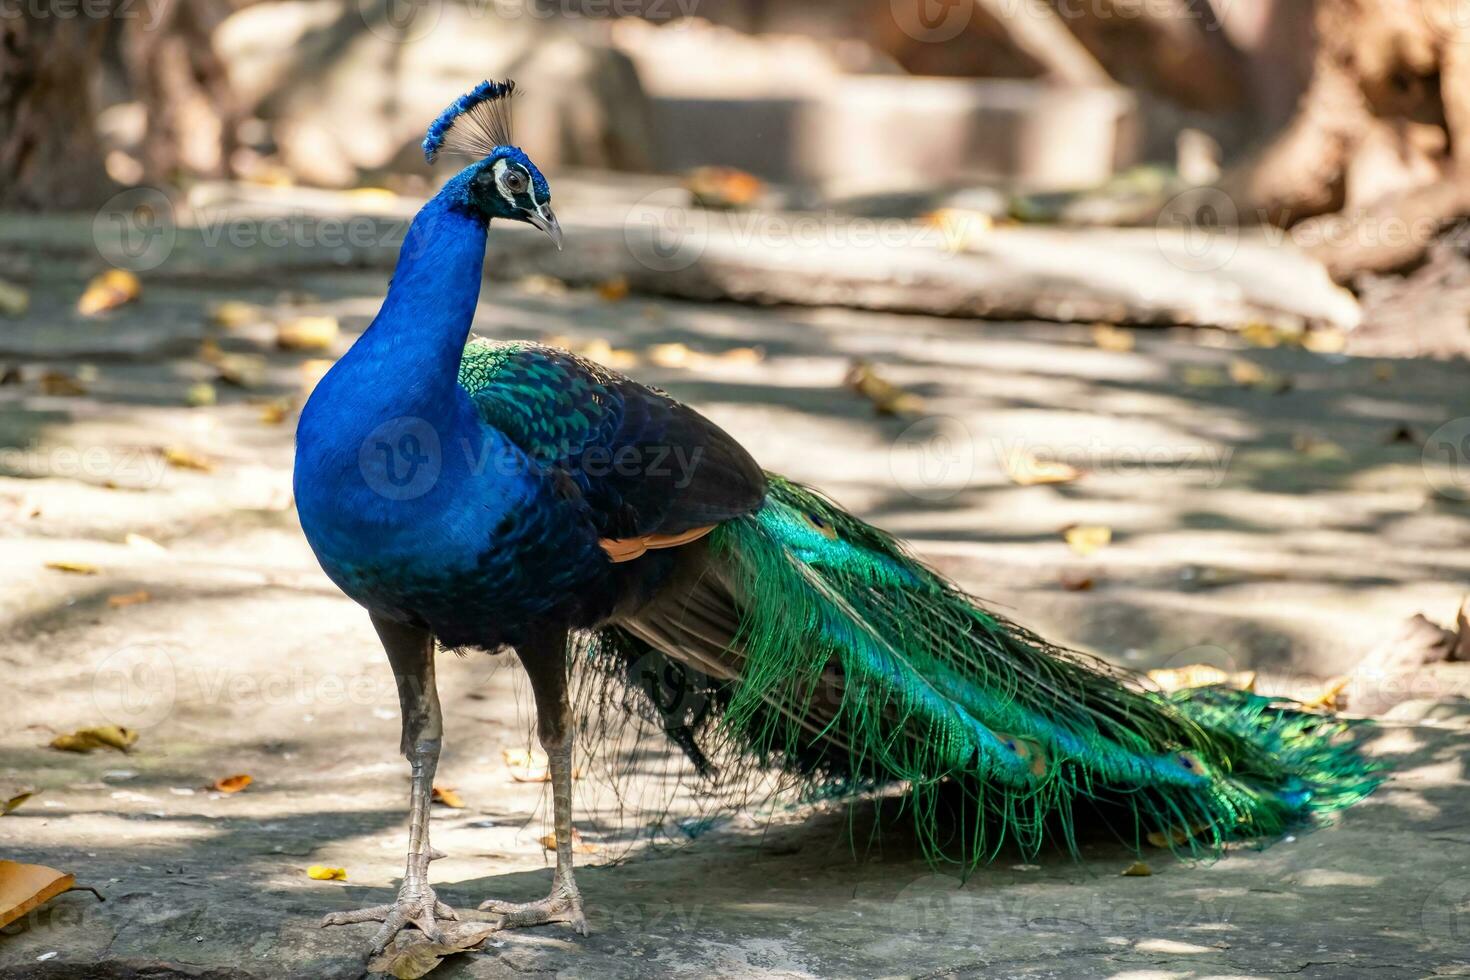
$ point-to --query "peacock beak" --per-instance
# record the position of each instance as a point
(545, 219)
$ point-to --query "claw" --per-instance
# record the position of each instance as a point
(559, 906)
(420, 907)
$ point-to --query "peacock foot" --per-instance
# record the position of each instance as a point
(418, 905)
(564, 904)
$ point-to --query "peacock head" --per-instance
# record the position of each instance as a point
(502, 182)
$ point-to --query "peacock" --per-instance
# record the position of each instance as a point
(475, 494)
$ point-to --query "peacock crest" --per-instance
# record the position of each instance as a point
(474, 124)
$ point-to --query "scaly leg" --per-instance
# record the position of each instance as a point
(411, 653)
(545, 660)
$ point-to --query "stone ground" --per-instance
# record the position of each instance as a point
(1286, 532)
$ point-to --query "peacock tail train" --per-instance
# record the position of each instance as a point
(803, 640)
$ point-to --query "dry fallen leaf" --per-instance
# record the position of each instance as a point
(579, 846)
(1325, 341)
(1172, 679)
(960, 227)
(1383, 371)
(61, 385)
(1075, 581)
(1265, 335)
(723, 187)
(1084, 539)
(135, 540)
(233, 784)
(1112, 338)
(530, 767)
(101, 737)
(449, 797)
(275, 412)
(613, 289)
(1026, 470)
(887, 397)
(320, 872)
(184, 459)
(14, 301)
(670, 355)
(308, 333)
(1249, 374)
(240, 370)
(1137, 870)
(108, 291)
(233, 314)
(124, 599)
(74, 567)
(1196, 376)
(1332, 696)
(15, 802)
(200, 395)
(414, 955)
(1316, 447)
(27, 886)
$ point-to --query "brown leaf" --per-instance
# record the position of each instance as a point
(27, 886)
(723, 187)
(15, 802)
(184, 459)
(308, 333)
(413, 955)
(233, 784)
(101, 737)
(1075, 581)
(887, 397)
(1332, 696)
(108, 291)
(449, 797)
(1026, 470)
(275, 412)
(1084, 539)
(122, 600)
(579, 846)
(1137, 870)
(1109, 337)
(613, 290)
(1325, 341)
(74, 567)
(233, 314)
(526, 766)
(61, 385)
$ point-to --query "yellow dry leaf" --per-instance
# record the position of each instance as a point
(124, 599)
(526, 766)
(723, 187)
(1026, 470)
(414, 956)
(201, 395)
(1332, 697)
(449, 797)
(1325, 341)
(108, 291)
(233, 784)
(670, 355)
(181, 458)
(1137, 870)
(14, 301)
(579, 846)
(1201, 675)
(15, 802)
(61, 385)
(275, 412)
(602, 352)
(1383, 371)
(320, 872)
(134, 540)
(101, 737)
(887, 397)
(74, 567)
(27, 886)
(1112, 338)
(233, 314)
(372, 195)
(959, 226)
(1084, 539)
(613, 289)
(308, 333)
(1265, 335)
(742, 355)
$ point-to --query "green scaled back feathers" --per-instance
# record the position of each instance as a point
(860, 658)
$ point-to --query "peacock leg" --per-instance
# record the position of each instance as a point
(545, 662)
(411, 653)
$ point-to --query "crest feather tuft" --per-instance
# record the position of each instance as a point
(475, 124)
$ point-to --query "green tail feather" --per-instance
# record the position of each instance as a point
(860, 662)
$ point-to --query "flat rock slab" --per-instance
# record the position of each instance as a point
(1240, 545)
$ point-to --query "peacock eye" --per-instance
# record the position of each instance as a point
(515, 181)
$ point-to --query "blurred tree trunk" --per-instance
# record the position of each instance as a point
(50, 155)
(1381, 133)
